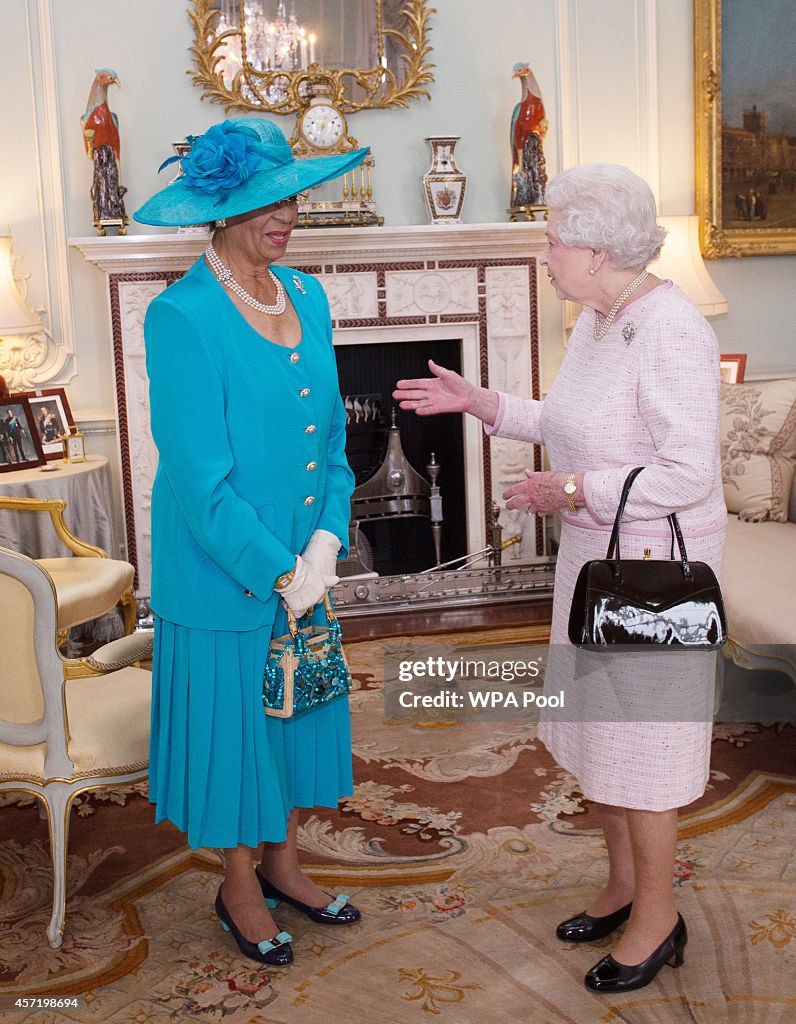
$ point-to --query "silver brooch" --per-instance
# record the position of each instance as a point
(299, 284)
(629, 332)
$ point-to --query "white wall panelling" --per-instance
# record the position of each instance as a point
(607, 79)
(48, 359)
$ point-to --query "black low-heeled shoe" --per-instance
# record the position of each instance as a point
(339, 911)
(608, 975)
(585, 928)
(276, 952)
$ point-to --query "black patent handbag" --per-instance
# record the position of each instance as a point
(662, 603)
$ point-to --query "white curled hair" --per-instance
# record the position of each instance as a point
(609, 208)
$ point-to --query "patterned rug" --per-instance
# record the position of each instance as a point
(463, 844)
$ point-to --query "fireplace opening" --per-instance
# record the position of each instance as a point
(367, 378)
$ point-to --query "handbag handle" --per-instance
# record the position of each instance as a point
(292, 622)
(674, 526)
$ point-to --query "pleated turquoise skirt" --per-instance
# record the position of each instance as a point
(221, 769)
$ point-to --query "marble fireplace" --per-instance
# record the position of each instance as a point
(474, 284)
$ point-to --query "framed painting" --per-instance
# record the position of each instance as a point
(745, 110)
(52, 418)
(732, 367)
(20, 447)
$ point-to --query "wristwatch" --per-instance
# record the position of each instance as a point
(285, 579)
(570, 487)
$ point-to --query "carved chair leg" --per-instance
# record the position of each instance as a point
(129, 611)
(59, 801)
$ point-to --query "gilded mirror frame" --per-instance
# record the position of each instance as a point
(717, 239)
(381, 86)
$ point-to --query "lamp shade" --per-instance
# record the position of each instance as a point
(16, 317)
(681, 260)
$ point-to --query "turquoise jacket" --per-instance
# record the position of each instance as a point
(251, 440)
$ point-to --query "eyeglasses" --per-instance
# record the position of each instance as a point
(299, 197)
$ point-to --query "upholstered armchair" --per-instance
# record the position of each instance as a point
(88, 585)
(66, 726)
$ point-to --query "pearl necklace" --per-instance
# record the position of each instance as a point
(224, 275)
(601, 326)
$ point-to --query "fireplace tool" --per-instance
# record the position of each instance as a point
(493, 552)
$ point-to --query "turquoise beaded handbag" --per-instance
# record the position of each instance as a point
(305, 667)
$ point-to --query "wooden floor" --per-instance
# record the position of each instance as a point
(442, 620)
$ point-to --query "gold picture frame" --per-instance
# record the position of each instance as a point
(727, 193)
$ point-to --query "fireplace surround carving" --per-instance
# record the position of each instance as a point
(476, 283)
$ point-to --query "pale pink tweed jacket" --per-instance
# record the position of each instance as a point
(636, 728)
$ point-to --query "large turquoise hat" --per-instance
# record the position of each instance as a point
(235, 167)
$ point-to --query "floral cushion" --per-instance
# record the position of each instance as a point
(758, 448)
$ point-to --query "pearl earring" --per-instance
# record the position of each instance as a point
(221, 223)
(591, 271)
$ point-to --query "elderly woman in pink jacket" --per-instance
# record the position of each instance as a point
(638, 386)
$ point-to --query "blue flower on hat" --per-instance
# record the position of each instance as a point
(237, 166)
(221, 159)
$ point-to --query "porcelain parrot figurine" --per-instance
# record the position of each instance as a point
(528, 128)
(101, 139)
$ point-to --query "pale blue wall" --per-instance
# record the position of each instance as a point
(147, 43)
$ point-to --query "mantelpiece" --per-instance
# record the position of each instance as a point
(473, 282)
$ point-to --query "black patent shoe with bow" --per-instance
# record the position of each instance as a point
(608, 975)
(338, 911)
(276, 952)
(585, 928)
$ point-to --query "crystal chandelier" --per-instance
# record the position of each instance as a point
(272, 44)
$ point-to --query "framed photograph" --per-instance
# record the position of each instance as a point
(20, 447)
(52, 417)
(732, 368)
(745, 110)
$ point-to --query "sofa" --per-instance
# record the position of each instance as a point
(758, 441)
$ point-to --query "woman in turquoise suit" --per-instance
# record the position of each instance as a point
(250, 511)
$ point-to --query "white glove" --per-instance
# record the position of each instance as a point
(321, 552)
(306, 589)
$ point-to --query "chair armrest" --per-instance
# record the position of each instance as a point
(55, 506)
(127, 650)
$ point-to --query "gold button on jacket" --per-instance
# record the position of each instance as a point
(238, 491)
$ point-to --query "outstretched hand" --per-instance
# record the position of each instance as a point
(446, 391)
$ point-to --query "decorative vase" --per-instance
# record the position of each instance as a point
(444, 184)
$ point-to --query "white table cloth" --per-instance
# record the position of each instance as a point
(86, 488)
